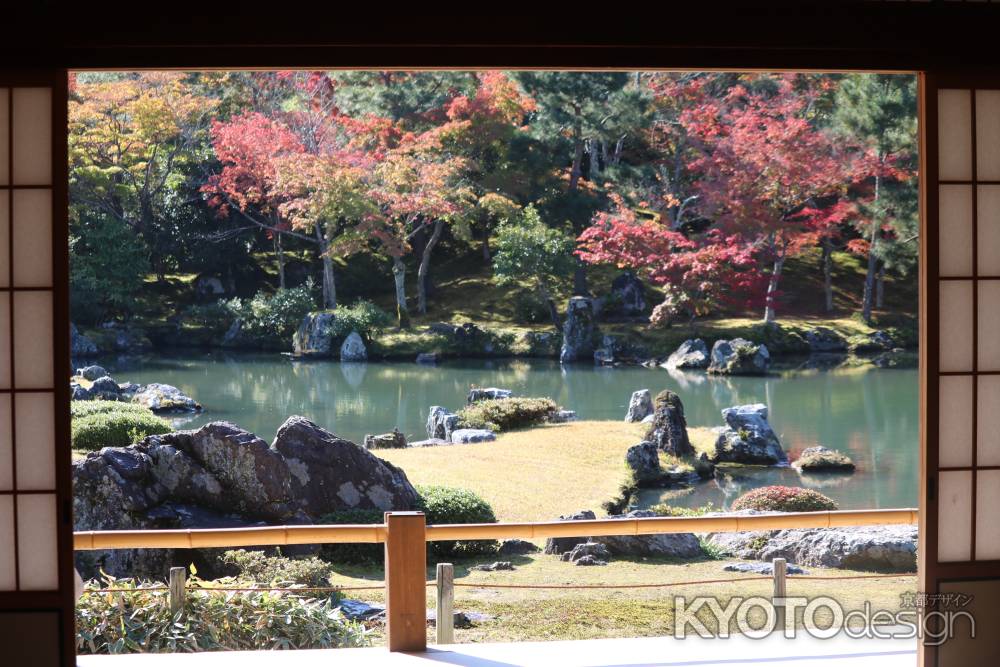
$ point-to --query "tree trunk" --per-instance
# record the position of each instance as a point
(279, 253)
(425, 265)
(487, 255)
(580, 280)
(553, 310)
(772, 289)
(828, 275)
(869, 293)
(880, 286)
(577, 169)
(399, 276)
(329, 283)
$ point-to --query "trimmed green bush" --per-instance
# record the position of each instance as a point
(258, 567)
(362, 316)
(446, 504)
(353, 553)
(784, 499)
(138, 620)
(271, 319)
(97, 424)
(504, 414)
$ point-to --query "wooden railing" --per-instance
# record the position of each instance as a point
(405, 536)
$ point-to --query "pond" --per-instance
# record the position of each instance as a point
(869, 414)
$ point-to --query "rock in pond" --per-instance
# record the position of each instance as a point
(392, 440)
(165, 398)
(821, 459)
(640, 406)
(486, 394)
(440, 423)
(314, 337)
(106, 389)
(739, 357)
(669, 428)
(896, 358)
(79, 345)
(578, 330)
(562, 416)
(353, 348)
(428, 358)
(221, 475)
(464, 436)
(692, 354)
(91, 373)
(748, 438)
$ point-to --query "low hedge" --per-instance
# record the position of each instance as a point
(504, 414)
(138, 620)
(97, 424)
(784, 499)
(445, 504)
(261, 568)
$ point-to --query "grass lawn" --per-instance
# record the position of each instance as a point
(548, 614)
(531, 475)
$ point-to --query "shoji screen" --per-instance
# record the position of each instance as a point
(36, 621)
(960, 537)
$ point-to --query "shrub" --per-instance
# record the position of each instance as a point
(138, 620)
(444, 504)
(97, 424)
(784, 499)
(664, 509)
(503, 414)
(215, 317)
(272, 319)
(353, 553)
(362, 316)
(258, 567)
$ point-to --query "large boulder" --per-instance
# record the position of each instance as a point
(560, 545)
(92, 373)
(79, 345)
(628, 294)
(353, 348)
(393, 440)
(823, 459)
(748, 437)
(477, 394)
(691, 354)
(669, 545)
(644, 462)
(871, 548)
(739, 357)
(823, 339)
(165, 398)
(223, 476)
(640, 406)
(669, 428)
(106, 389)
(578, 330)
(440, 423)
(588, 553)
(314, 337)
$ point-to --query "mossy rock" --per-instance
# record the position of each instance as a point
(821, 459)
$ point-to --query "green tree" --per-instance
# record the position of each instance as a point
(529, 250)
(107, 266)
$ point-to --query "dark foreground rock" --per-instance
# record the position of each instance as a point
(748, 437)
(670, 545)
(560, 545)
(223, 476)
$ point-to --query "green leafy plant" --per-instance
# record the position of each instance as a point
(259, 567)
(784, 499)
(138, 620)
(664, 509)
(271, 319)
(362, 316)
(503, 414)
(445, 504)
(97, 424)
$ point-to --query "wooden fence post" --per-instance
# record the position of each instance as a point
(177, 591)
(445, 603)
(778, 566)
(406, 581)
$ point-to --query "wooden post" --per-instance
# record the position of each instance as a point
(445, 603)
(176, 594)
(778, 566)
(406, 581)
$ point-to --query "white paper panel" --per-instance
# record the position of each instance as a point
(955, 345)
(8, 573)
(6, 446)
(954, 425)
(37, 542)
(988, 135)
(988, 325)
(954, 516)
(954, 233)
(5, 370)
(4, 142)
(4, 238)
(32, 238)
(987, 526)
(33, 367)
(988, 421)
(35, 441)
(988, 223)
(954, 135)
(32, 136)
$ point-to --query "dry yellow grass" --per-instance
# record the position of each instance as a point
(532, 475)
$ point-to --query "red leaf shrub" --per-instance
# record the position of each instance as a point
(784, 499)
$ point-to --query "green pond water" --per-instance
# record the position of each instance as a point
(871, 415)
